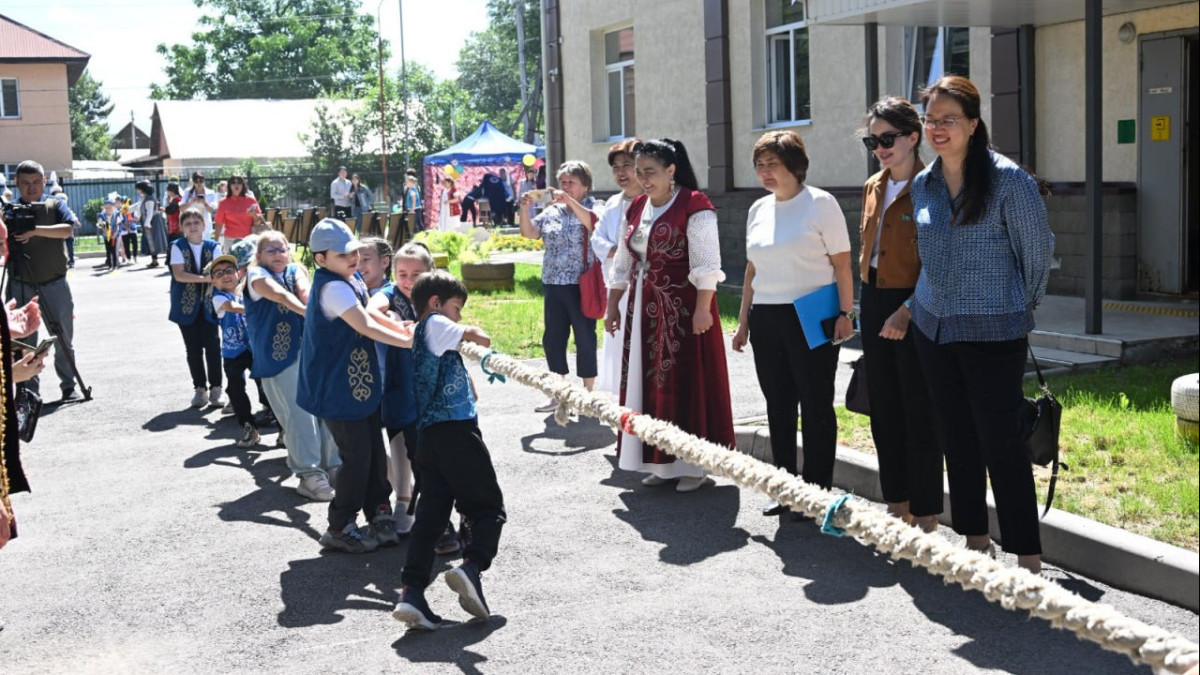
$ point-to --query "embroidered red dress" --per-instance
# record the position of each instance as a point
(668, 372)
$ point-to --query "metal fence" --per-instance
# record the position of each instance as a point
(295, 192)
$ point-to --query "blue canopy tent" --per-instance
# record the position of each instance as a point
(485, 151)
(486, 146)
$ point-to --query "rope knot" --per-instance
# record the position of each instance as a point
(827, 526)
(492, 375)
(627, 422)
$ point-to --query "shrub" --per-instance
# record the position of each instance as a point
(440, 241)
(91, 210)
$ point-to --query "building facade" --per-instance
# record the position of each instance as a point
(717, 74)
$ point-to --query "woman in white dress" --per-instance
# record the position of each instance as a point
(449, 207)
(605, 240)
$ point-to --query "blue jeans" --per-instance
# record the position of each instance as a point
(58, 317)
(310, 446)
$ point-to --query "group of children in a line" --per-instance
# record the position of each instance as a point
(342, 359)
(119, 230)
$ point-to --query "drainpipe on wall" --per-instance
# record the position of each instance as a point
(552, 76)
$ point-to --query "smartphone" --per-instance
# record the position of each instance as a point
(40, 349)
(542, 196)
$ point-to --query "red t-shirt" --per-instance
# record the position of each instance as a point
(234, 214)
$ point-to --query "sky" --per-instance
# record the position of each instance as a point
(125, 61)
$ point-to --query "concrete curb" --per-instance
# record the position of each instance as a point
(1102, 552)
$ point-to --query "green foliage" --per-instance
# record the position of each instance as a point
(276, 49)
(90, 109)
(514, 243)
(91, 210)
(441, 241)
(489, 66)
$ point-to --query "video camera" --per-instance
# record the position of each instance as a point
(20, 218)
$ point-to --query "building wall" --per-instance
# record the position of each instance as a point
(43, 132)
(1059, 64)
(668, 85)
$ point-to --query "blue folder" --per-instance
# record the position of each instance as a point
(814, 308)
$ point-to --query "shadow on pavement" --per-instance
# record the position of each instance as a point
(448, 644)
(580, 435)
(174, 418)
(1004, 640)
(840, 570)
(693, 527)
(318, 590)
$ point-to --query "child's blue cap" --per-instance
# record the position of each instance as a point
(332, 234)
(109, 200)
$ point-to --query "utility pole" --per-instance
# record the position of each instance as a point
(519, 8)
(382, 106)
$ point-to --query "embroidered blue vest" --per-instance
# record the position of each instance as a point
(442, 386)
(187, 300)
(233, 329)
(399, 394)
(274, 330)
(339, 372)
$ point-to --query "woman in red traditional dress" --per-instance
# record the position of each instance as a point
(674, 367)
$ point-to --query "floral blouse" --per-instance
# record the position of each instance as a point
(563, 236)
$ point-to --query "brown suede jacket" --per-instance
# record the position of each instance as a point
(898, 265)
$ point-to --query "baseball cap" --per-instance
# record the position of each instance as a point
(332, 234)
(223, 258)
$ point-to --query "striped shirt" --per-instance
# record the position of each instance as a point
(980, 281)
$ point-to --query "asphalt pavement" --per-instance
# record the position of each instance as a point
(151, 544)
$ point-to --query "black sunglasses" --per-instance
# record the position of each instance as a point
(887, 140)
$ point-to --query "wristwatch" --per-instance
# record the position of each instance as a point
(849, 315)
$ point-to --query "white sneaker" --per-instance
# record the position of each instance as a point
(404, 522)
(214, 396)
(653, 481)
(200, 399)
(691, 483)
(549, 406)
(315, 486)
(249, 437)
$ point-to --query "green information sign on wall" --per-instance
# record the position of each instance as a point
(1126, 131)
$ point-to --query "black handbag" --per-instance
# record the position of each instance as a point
(1043, 417)
(29, 407)
(857, 398)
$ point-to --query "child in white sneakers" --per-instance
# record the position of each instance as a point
(235, 346)
(189, 287)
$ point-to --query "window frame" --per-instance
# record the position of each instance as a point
(770, 36)
(17, 87)
(609, 69)
(942, 42)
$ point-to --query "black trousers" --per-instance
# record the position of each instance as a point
(362, 482)
(235, 386)
(202, 341)
(455, 467)
(131, 242)
(977, 396)
(790, 373)
(110, 254)
(562, 314)
(902, 422)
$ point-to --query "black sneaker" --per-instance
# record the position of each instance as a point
(265, 418)
(383, 528)
(774, 508)
(448, 543)
(465, 581)
(414, 611)
(349, 540)
(70, 395)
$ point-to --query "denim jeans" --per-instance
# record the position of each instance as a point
(310, 446)
(58, 317)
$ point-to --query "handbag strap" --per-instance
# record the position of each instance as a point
(1038, 369)
(586, 249)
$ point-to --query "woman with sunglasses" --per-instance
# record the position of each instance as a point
(910, 459)
(985, 247)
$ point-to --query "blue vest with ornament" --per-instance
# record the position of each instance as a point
(443, 387)
(339, 371)
(233, 329)
(187, 300)
(399, 392)
(275, 331)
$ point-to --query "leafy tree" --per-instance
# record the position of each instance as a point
(489, 65)
(272, 49)
(267, 190)
(90, 109)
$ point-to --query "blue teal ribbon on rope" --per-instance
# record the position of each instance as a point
(827, 527)
(492, 376)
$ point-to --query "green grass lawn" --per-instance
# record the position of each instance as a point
(1128, 468)
(513, 319)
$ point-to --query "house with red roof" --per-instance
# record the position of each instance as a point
(35, 72)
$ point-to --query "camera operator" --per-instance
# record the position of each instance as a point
(37, 265)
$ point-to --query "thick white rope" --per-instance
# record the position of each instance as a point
(1011, 587)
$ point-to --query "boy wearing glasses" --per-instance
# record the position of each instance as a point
(235, 346)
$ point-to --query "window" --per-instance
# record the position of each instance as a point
(618, 65)
(931, 52)
(10, 100)
(787, 62)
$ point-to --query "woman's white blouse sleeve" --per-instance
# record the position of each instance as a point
(618, 276)
(704, 251)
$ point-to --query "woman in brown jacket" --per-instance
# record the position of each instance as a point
(910, 458)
